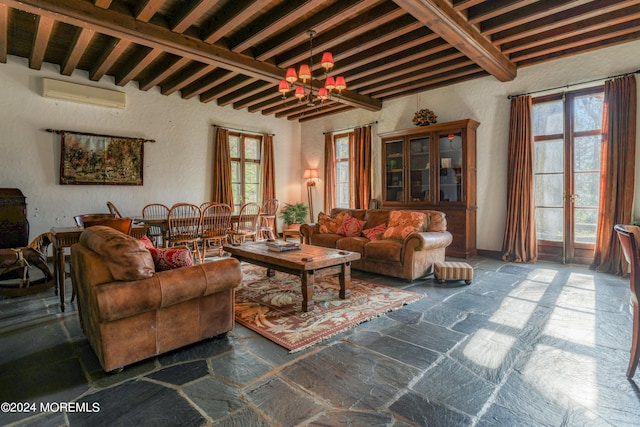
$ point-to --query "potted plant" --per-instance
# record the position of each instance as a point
(294, 214)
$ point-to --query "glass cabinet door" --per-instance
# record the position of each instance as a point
(394, 180)
(450, 164)
(419, 170)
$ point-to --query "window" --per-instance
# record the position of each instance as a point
(245, 168)
(343, 171)
(567, 131)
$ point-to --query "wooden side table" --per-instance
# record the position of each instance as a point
(291, 232)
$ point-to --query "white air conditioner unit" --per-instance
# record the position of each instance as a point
(80, 93)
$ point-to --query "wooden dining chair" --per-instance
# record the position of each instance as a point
(184, 220)
(267, 226)
(123, 225)
(629, 236)
(79, 219)
(155, 216)
(216, 223)
(114, 210)
(247, 226)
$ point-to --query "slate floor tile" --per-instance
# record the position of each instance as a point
(428, 335)
(456, 386)
(412, 355)
(215, 397)
(423, 411)
(268, 395)
(350, 377)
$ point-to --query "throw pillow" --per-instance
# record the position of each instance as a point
(147, 242)
(329, 224)
(403, 223)
(376, 232)
(170, 258)
(351, 227)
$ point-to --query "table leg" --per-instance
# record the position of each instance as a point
(59, 268)
(307, 281)
(271, 272)
(345, 280)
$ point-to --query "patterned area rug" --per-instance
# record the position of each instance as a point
(271, 306)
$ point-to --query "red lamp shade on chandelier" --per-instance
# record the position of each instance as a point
(305, 72)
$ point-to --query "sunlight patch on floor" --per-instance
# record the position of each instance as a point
(569, 378)
(488, 348)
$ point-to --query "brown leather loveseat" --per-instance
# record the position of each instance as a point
(130, 312)
(408, 258)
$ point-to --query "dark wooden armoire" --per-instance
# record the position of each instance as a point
(14, 227)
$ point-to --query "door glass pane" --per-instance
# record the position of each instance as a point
(251, 173)
(251, 148)
(450, 167)
(587, 153)
(550, 224)
(585, 224)
(234, 146)
(394, 186)
(587, 112)
(548, 118)
(549, 156)
(342, 196)
(343, 177)
(420, 169)
(548, 190)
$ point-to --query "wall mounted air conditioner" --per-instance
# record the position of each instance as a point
(80, 93)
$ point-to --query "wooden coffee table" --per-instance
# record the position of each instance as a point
(308, 262)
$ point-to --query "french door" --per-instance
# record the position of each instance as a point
(567, 130)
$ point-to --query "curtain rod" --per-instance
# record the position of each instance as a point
(574, 84)
(96, 134)
(244, 130)
(352, 127)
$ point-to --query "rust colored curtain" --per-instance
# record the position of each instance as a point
(519, 243)
(617, 169)
(268, 169)
(361, 167)
(222, 192)
(329, 173)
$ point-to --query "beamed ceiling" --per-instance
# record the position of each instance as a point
(234, 52)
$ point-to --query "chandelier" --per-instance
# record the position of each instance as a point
(305, 73)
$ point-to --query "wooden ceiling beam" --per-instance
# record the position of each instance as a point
(231, 21)
(244, 92)
(442, 19)
(78, 48)
(147, 8)
(103, 3)
(136, 67)
(212, 80)
(320, 22)
(186, 77)
(291, 11)
(82, 14)
(226, 88)
(191, 15)
(108, 59)
(44, 27)
(4, 32)
(164, 75)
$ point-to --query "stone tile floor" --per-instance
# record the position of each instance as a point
(523, 345)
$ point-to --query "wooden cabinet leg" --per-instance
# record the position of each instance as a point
(306, 288)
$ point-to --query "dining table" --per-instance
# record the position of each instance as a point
(64, 237)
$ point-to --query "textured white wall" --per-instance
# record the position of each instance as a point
(177, 167)
(484, 100)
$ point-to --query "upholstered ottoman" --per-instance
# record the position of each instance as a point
(453, 271)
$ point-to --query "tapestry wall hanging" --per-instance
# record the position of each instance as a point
(100, 159)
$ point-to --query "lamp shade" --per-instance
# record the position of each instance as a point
(310, 174)
(283, 87)
(323, 94)
(330, 83)
(327, 61)
(341, 84)
(304, 73)
(300, 92)
(291, 75)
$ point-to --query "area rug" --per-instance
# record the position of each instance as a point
(272, 306)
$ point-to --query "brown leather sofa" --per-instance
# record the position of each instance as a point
(409, 259)
(130, 312)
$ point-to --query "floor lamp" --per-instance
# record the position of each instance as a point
(310, 175)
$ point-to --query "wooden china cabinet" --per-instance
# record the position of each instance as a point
(434, 167)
